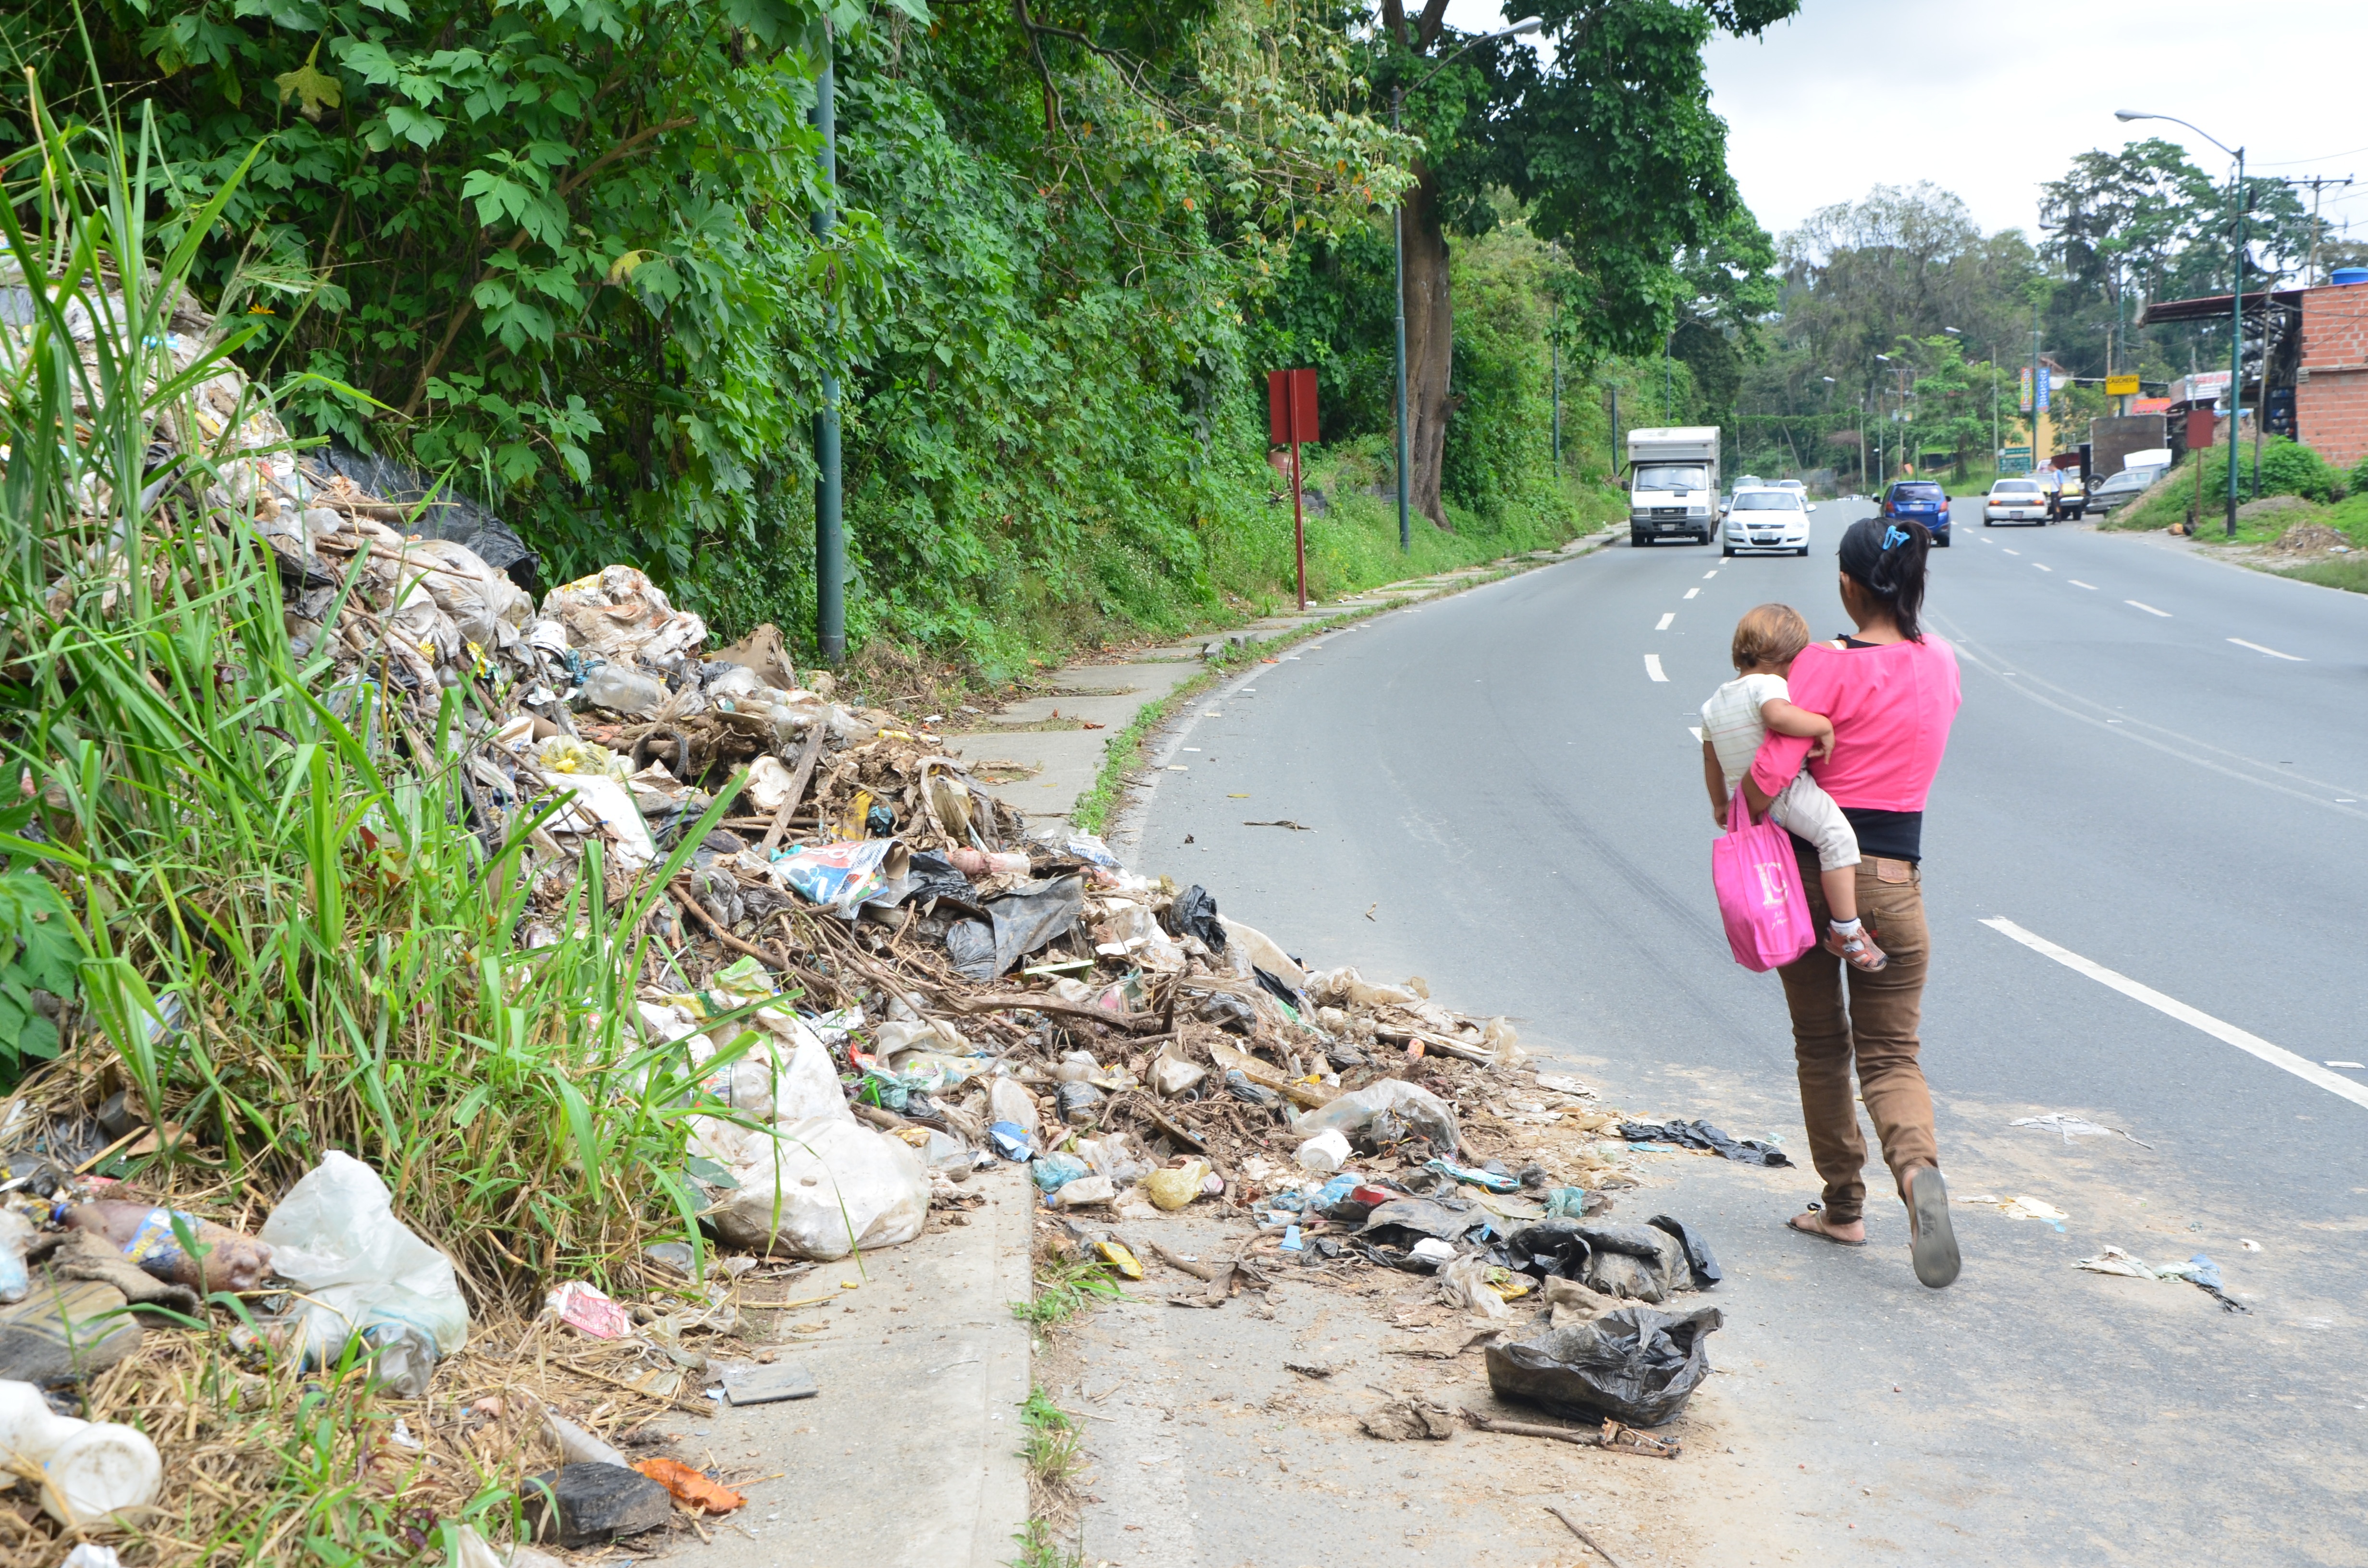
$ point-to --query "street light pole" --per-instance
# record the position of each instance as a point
(2236, 304)
(1398, 234)
(830, 533)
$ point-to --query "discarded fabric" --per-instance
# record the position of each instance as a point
(1703, 1135)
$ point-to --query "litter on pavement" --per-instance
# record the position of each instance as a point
(2073, 1127)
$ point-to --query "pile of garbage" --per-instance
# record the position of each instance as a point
(880, 983)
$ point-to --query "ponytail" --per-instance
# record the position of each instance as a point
(1885, 556)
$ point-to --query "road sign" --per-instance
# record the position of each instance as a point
(2121, 386)
(1291, 417)
(1290, 406)
(2014, 459)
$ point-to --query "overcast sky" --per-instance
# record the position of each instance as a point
(1991, 100)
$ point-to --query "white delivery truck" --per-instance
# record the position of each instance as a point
(1673, 484)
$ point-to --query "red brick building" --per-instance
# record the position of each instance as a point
(2331, 381)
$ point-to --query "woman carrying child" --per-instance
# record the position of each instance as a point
(1889, 692)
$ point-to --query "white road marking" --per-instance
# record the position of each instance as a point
(2078, 584)
(1653, 666)
(2042, 568)
(2272, 653)
(1989, 541)
(1709, 574)
(1667, 617)
(2252, 1044)
(1692, 592)
(2148, 609)
(1695, 731)
(2353, 1065)
(2014, 552)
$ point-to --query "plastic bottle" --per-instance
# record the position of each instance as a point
(15, 1234)
(624, 689)
(89, 1469)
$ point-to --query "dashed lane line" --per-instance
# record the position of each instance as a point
(2078, 584)
(1667, 617)
(1692, 592)
(2252, 1044)
(2042, 566)
(2272, 653)
(1709, 574)
(2148, 609)
(1653, 666)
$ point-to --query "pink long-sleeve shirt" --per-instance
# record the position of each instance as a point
(1891, 708)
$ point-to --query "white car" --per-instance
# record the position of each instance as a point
(1767, 518)
(2017, 501)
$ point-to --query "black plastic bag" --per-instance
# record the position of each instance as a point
(1033, 914)
(1402, 1222)
(1194, 914)
(452, 516)
(1080, 1104)
(1703, 1135)
(1549, 1247)
(970, 946)
(1635, 1364)
(1698, 1253)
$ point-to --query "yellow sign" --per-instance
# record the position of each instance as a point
(2121, 386)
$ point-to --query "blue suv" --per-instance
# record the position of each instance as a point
(1923, 500)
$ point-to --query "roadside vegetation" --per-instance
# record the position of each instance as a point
(2309, 519)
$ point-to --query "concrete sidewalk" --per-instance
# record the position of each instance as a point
(908, 1457)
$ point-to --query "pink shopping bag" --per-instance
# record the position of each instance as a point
(1759, 893)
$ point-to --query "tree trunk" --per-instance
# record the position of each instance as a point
(1430, 344)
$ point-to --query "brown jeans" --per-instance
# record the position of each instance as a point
(1874, 1030)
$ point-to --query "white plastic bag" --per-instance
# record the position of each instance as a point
(1420, 1110)
(363, 1273)
(1247, 947)
(618, 613)
(821, 1188)
(1464, 1283)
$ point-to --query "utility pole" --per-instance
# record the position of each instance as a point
(1397, 241)
(2236, 343)
(1556, 337)
(830, 533)
(2316, 183)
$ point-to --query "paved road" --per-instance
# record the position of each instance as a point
(2160, 770)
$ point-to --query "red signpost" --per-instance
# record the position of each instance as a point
(1291, 417)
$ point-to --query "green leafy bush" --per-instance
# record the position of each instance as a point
(39, 951)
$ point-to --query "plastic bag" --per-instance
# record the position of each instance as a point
(1345, 987)
(1757, 879)
(1171, 1189)
(841, 876)
(1249, 949)
(823, 1188)
(1194, 914)
(1386, 1112)
(1054, 1172)
(1636, 1365)
(363, 1273)
(488, 609)
(1466, 1281)
(606, 807)
(618, 613)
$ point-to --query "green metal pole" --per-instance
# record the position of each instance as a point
(1397, 242)
(830, 532)
(1557, 389)
(2236, 343)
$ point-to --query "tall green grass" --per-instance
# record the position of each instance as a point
(300, 915)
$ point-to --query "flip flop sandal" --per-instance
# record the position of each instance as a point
(1822, 1235)
(1935, 1243)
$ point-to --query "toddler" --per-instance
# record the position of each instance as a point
(1738, 717)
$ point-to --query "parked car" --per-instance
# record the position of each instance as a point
(2126, 486)
(1795, 486)
(2016, 501)
(1769, 518)
(1920, 500)
(2071, 498)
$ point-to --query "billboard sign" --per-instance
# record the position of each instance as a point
(2121, 386)
(2014, 459)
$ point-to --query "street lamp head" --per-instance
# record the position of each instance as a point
(1884, 357)
(1827, 380)
(2129, 114)
(1527, 24)
(1952, 332)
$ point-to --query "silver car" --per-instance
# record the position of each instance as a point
(1766, 518)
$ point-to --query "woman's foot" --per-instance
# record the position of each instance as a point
(1935, 1243)
(1848, 1233)
(1856, 949)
